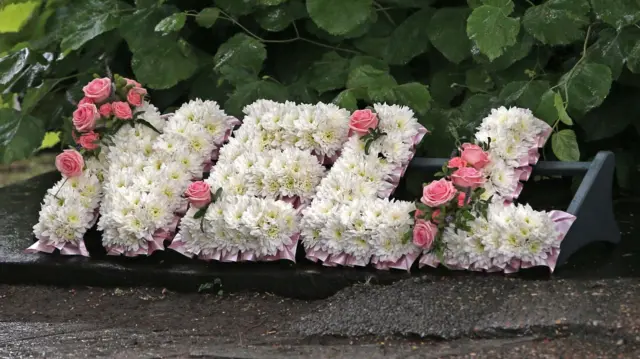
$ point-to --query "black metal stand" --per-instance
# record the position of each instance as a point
(592, 204)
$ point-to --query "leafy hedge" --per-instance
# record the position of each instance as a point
(573, 62)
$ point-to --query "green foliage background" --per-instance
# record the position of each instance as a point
(575, 63)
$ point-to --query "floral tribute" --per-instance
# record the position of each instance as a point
(149, 172)
(466, 219)
(71, 207)
(351, 221)
(249, 208)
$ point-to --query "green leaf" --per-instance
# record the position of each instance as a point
(511, 55)
(414, 95)
(12, 64)
(252, 91)
(506, 6)
(20, 135)
(557, 22)
(546, 110)
(159, 62)
(373, 45)
(271, 2)
(491, 30)
(612, 48)
(50, 139)
(149, 125)
(633, 59)
(617, 13)
(14, 16)
(369, 77)
(447, 33)
(409, 39)
(278, 18)
(558, 103)
(587, 86)
(442, 85)
(565, 145)
(239, 60)
(619, 110)
(35, 94)
(347, 100)
(172, 23)
(201, 212)
(525, 94)
(329, 73)
(237, 7)
(478, 80)
(207, 17)
(89, 19)
(358, 61)
(339, 17)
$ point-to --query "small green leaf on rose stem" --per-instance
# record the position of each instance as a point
(172, 23)
(412, 213)
(558, 103)
(217, 194)
(565, 145)
(201, 212)
(439, 174)
(367, 145)
(422, 207)
(147, 124)
(207, 17)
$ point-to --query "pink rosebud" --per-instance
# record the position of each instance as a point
(474, 155)
(456, 162)
(132, 82)
(122, 110)
(89, 140)
(434, 215)
(85, 116)
(98, 90)
(105, 110)
(424, 233)
(438, 193)
(461, 199)
(136, 95)
(468, 177)
(84, 101)
(70, 163)
(418, 214)
(363, 120)
(199, 194)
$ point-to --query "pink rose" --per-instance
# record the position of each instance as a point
(105, 110)
(456, 162)
(438, 193)
(424, 233)
(468, 177)
(434, 215)
(474, 155)
(363, 120)
(132, 82)
(70, 163)
(85, 100)
(85, 116)
(135, 96)
(98, 90)
(199, 194)
(122, 110)
(89, 140)
(461, 199)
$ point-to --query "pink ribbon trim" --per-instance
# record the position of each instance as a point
(66, 248)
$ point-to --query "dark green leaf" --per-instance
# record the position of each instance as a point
(612, 48)
(633, 58)
(20, 135)
(444, 85)
(358, 61)
(620, 109)
(347, 100)
(207, 17)
(546, 109)
(172, 23)
(557, 22)
(525, 94)
(587, 86)
(373, 45)
(217, 194)
(237, 7)
(617, 13)
(201, 212)
(565, 145)
(12, 64)
(409, 39)
(147, 124)
(339, 17)
(329, 73)
(248, 93)
(369, 77)
(271, 2)
(491, 30)
(278, 18)
(511, 55)
(447, 33)
(367, 146)
(414, 95)
(478, 80)
(239, 60)
(159, 62)
(89, 19)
